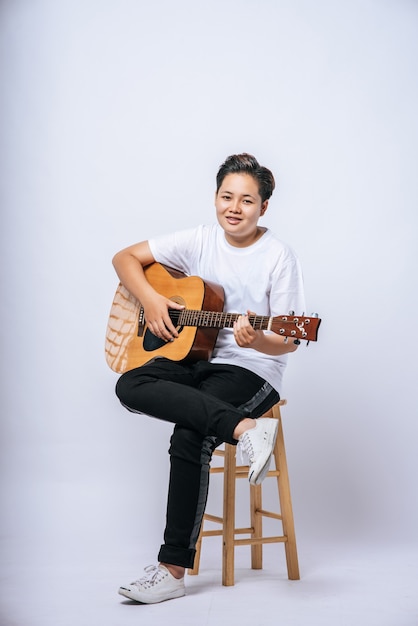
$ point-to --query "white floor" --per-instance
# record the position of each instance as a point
(74, 586)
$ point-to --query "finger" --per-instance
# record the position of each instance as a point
(240, 335)
(241, 322)
(159, 330)
(169, 328)
(165, 332)
(245, 324)
(172, 319)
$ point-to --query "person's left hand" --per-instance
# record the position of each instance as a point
(244, 333)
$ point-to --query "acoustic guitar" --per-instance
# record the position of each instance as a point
(130, 343)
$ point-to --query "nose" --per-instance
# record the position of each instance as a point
(235, 207)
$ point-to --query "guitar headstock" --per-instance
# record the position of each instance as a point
(296, 326)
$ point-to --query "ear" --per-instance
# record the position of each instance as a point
(264, 207)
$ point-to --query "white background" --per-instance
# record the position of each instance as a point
(114, 119)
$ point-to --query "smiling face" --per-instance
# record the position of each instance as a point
(238, 208)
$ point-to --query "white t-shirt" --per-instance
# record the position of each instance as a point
(265, 278)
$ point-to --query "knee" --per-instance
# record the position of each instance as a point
(125, 386)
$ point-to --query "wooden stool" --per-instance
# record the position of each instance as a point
(256, 540)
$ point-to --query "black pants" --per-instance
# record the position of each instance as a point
(205, 401)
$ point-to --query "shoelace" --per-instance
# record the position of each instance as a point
(153, 575)
(245, 449)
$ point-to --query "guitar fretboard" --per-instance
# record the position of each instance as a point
(287, 325)
(213, 319)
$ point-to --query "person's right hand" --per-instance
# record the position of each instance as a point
(156, 313)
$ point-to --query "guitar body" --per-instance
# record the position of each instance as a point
(129, 342)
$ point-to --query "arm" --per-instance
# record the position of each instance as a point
(247, 337)
(129, 264)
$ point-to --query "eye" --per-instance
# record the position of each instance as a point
(225, 197)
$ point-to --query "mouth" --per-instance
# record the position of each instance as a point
(233, 220)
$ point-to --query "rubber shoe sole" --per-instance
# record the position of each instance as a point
(144, 597)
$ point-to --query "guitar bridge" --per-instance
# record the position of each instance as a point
(141, 322)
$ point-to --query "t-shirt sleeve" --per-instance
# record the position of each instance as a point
(177, 250)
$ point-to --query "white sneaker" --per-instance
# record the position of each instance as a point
(257, 444)
(156, 586)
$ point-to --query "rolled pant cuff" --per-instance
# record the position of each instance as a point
(184, 557)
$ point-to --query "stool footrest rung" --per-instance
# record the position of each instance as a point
(213, 518)
(243, 472)
(270, 514)
(254, 541)
(212, 533)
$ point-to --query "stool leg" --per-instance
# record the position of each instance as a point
(286, 502)
(228, 560)
(257, 525)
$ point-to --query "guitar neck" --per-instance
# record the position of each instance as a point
(214, 319)
(298, 327)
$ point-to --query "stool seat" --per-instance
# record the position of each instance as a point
(232, 536)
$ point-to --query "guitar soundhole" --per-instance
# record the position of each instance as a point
(151, 342)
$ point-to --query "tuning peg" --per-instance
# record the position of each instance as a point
(291, 312)
(314, 315)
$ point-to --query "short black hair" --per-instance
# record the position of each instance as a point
(247, 164)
